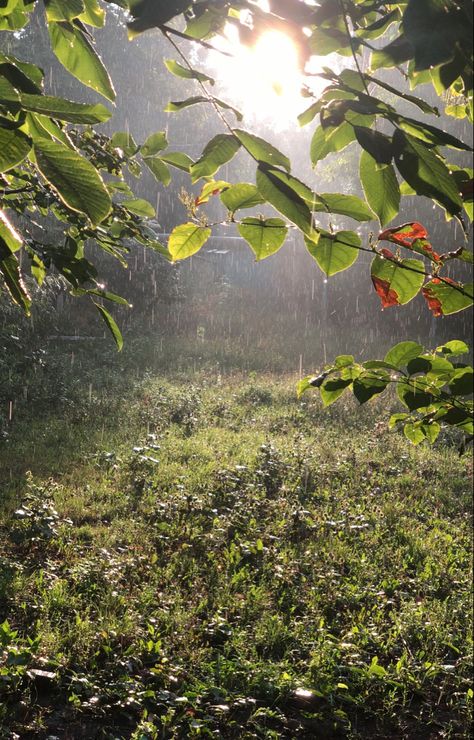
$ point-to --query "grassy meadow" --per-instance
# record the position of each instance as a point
(205, 556)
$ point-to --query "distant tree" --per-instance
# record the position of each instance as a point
(54, 164)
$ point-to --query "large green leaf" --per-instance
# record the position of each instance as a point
(221, 149)
(265, 236)
(63, 10)
(187, 239)
(401, 354)
(344, 205)
(262, 150)
(334, 252)
(397, 282)
(381, 188)
(14, 146)
(426, 172)
(369, 384)
(65, 110)
(332, 389)
(159, 169)
(376, 144)
(74, 178)
(284, 198)
(77, 55)
(241, 195)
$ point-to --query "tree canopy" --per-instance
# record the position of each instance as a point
(63, 179)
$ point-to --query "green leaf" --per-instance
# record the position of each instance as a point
(241, 195)
(343, 205)
(174, 106)
(261, 150)
(111, 325)
(367, 385)
(462, 382)
(179, 160)
(14, 147)
(63, 10)
(284, 198)
(396, 282)
(426, 172)
(396, 419)
(430, 134)
(188, 74)
(326, 141)
(78, 56)
(381, 188)
(159, 169)
(152, 13)
(65, 110)
(333, 252)
(401, 354)
(74, 178)
(309, 114)
(187, 239)
(333, 388)
(265, 236)
(140, 206)
(124, 141)
(453, 348)
(93, 14)
(415, 395)
(154, 144)
(414, 432)
(221, 149)
(374, 143)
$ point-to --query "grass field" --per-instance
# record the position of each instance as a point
(210, 557)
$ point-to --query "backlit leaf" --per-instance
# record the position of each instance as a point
(111, 325)
(265, 236)
(77, 55)
(334, 252)
(284, 198)
(381, 188)
(262, 150)
(444, 298)
(187, 239)
(218, 151)
(241, 195)
(74, 178)
(14, 146)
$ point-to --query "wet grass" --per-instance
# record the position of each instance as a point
(213, 558)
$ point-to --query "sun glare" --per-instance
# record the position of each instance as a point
(263, 80)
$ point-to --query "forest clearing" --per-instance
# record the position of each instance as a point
(236, 383)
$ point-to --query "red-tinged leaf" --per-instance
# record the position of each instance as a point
(404, 235)
(446, 296)
(434, 304)
(422, 246)
(387, 254)
(388, 296)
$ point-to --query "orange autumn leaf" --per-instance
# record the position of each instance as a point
(405, 234)
(387, 295)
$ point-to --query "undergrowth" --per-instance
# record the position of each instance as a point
(210, 557)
